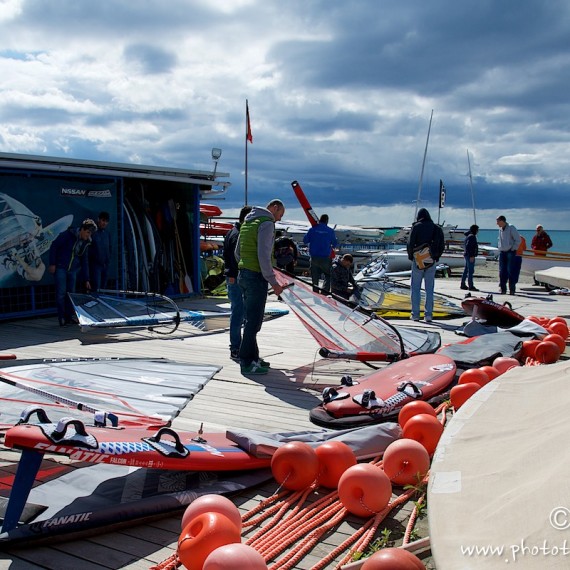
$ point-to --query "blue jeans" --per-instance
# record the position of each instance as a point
(468, 272)
(321, 265)
(428, 276)
(507, 271)
(64, 284)
(97, 277)
(236, 318)
(254, 290)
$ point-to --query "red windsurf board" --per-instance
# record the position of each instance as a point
(485, 309)
(162, 448)
(378, 397)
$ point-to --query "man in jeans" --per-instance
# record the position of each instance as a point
(68, 258)
(234, 291)
(508, 243)
(254, 252)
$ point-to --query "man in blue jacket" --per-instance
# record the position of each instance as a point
(322, 241)
(68, 257)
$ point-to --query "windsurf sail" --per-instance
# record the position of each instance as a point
(348, 332)
(139, 391)
(127, 308)
(117, 309)
(389, 299)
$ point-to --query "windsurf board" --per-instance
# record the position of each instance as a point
(492, 313)
(379, 397)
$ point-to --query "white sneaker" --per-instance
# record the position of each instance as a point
(428, 319)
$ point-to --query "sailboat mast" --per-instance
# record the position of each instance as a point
(422, 171)
(471, 185)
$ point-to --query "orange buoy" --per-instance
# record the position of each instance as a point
(558, 328)
(529, 347)
(547, 352)
(557, 340)
(557, 320)
(504, 363)
(393, 559)
(295, 465)
(212, 504)
(473, 375)
(335, 457)
(202, 535)
(425, 429)
(462, 392)
(364, 489)
(412, 409)
(406, 462)
(234, 556)
(490, 371)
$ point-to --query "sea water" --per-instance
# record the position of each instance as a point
(560, 238)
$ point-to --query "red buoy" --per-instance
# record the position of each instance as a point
(461, 393)
(295, 465)
(212, 504)
(364, 489)
(474, 375)
(425, 429)
(234, 556)
(412, 409)
(406, 462)
(335, 457)
(202, 535)
(393, 559)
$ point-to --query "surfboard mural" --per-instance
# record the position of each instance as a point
(24, 239)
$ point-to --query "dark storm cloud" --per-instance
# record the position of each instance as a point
(340, 94)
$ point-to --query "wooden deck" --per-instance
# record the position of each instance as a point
(279, 401)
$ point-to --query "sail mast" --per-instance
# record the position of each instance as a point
(471, 185)
(422, 172)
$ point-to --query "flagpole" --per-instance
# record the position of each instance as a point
(245, 140)
(471, 186)
(422, 172)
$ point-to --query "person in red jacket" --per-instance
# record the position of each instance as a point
(541, 241)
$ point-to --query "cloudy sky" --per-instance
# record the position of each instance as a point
(340, 95)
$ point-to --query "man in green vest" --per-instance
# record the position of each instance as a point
(254, 252)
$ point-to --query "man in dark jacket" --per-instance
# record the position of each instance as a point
(234, 291)
(470, 252)
(100, 253)
(68, 258)
(342, 280)
(425, 246)
(286, 252)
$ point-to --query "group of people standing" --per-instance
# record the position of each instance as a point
(426, 244)
(252, 246)
(511, 245)
(250, 249)
(81, 255)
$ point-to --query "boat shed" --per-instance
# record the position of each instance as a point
(154, 224)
